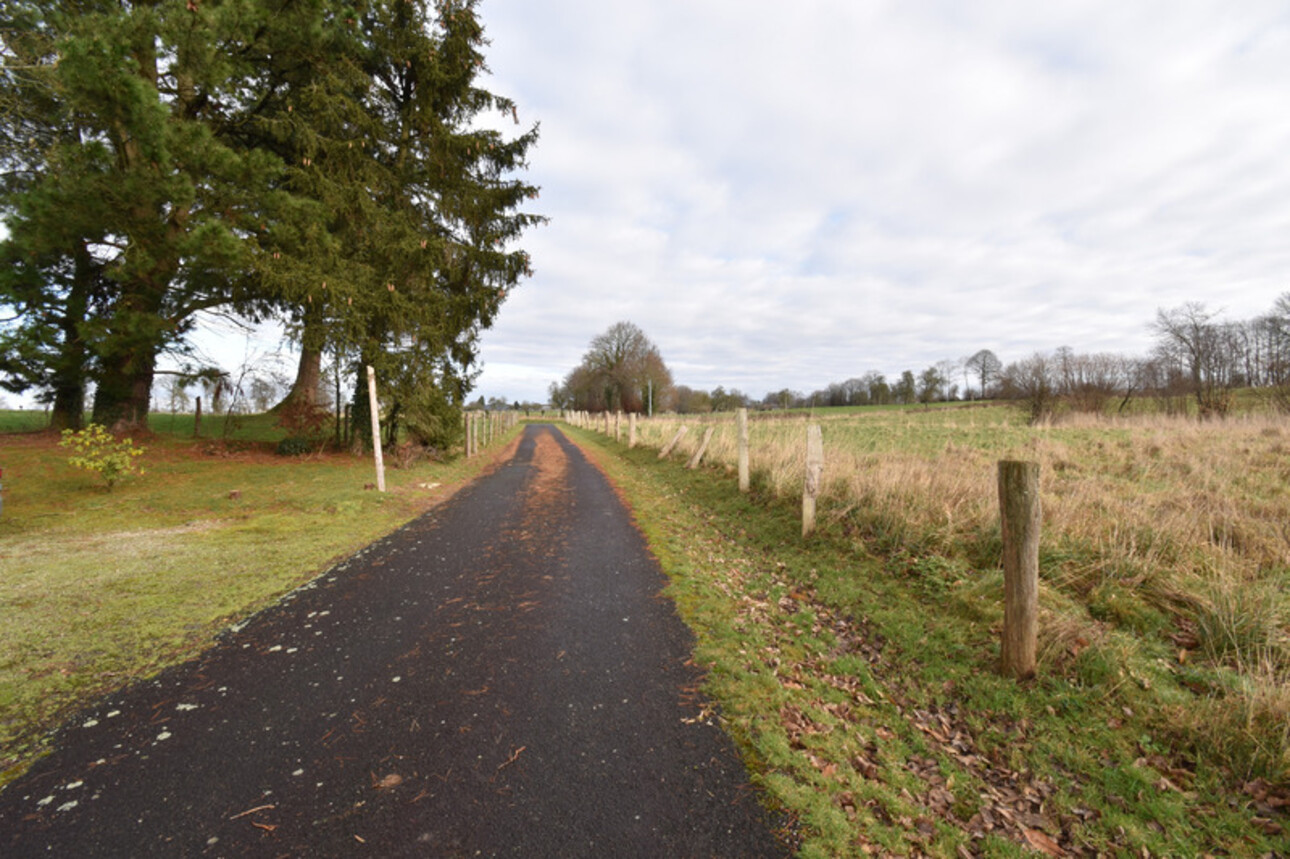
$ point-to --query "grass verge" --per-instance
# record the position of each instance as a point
(863, 690)
(99, 590)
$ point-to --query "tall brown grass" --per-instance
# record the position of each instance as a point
(1173, 529)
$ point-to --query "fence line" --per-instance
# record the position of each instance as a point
(482, 428)
(1018, 504)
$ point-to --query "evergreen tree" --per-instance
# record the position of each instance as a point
(300, 159)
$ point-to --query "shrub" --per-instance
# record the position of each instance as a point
(303, 420)
(95, 449)
(294, 446)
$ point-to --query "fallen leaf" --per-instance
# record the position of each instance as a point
(1042, 842)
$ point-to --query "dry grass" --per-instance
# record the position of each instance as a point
(1170, 529)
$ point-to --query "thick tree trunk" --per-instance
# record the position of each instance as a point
(68, 409)
(69, 372)
(304, 391)
(124, 392)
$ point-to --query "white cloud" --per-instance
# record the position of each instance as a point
(790, 195)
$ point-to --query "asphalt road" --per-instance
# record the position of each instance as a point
(499, 678)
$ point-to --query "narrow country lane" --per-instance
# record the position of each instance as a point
(498, 678)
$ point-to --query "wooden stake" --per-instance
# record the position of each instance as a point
(631, 430)
(1020, 515)
(376, 428)
(703, 446)
(741, 422)
(814, 471)
(667, 448)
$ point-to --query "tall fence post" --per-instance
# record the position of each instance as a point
(814, 471)
(631, 430)
(376, 428)
(618, 426)
(1020, 516)
(741, 422)
(197, 419)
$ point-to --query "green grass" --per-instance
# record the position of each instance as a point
(259, 427)
(22, 420)
(99, 589)
(863, 688)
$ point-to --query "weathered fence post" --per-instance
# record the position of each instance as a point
(741, 422)
(618, 426)
(814, 470)
(631, 430)
(376, 428)
(197, 420)
(1020, 515)
(667, 448)
(703, 446)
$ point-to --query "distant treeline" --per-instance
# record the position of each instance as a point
(1197, 363)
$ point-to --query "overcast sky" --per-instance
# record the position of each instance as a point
(788, 195)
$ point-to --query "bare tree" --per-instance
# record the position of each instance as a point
(1034, 382)
(1204, 350)
(985, 365)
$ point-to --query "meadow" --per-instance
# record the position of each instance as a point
(1166, 548)
(859, 668)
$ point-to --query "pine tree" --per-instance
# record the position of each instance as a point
(297, 159)
(135, 180)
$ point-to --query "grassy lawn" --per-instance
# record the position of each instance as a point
(99, 589)
(860, 678)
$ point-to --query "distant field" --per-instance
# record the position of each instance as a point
(232, 427)
(1164, 538)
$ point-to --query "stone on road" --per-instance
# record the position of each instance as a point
(501, 677)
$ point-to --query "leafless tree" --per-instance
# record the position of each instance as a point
(985, 365)
(1204, 350)
(1034, 381)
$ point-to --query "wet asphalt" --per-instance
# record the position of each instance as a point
(501, 677)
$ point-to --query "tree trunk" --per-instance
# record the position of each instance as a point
(69, 370)
(124, 392)
(68, 409)
(304, 390)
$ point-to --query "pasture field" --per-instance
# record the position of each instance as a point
(859, 666)
(1167, 537)
(99, 589)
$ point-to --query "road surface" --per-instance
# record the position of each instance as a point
(500, 677)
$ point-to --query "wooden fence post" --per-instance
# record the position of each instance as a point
(741, 422)
(703, 446)
(1020, 515)
(618, 426)
(814, 470)
(197, 420)
(376, 428)
(631, 430)
(667, 448)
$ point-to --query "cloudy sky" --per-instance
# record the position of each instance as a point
(788, 195)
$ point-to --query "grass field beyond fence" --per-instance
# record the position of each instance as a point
(1166, 542)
